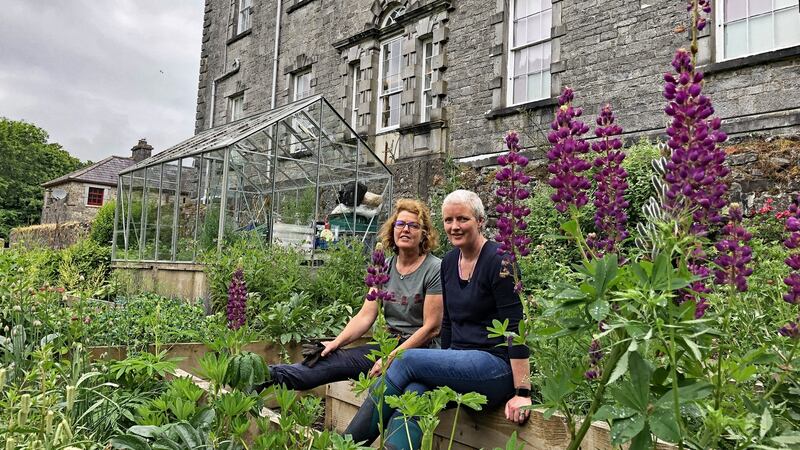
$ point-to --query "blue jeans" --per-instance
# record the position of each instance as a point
(339, 365)
(420, 370)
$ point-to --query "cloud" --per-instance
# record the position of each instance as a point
(97, 76)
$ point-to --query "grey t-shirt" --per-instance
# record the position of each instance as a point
(404, 311)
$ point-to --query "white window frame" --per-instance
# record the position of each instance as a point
(235, 107)
(243, 18)
(427, 83)
(298, 92)
(355, 78)
(545, 42)
(383, 96)
(719, 31)
(86, 195)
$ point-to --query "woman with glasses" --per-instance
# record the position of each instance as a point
(477, 289)
(414, 313)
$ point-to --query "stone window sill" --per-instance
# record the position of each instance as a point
(239, 36)
(297, 5)
(747, 61)
(516, 109)
(421, 128)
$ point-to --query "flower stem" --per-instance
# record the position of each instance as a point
(780, 378)
(608, 368)
(453, 430)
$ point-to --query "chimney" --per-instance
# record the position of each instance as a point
(141, 151)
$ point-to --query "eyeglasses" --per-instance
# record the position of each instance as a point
(400, 224)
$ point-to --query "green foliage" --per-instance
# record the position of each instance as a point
(85, 266)
(28, 161)
(102, 230)
(638, 163)
(451, 181)
(341, 276)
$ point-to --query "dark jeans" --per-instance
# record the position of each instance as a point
(420, 370)
(339, 365)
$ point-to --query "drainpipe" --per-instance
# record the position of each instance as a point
(213, 100)
(275, 53)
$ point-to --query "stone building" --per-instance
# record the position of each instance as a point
(89, 188)
(423, 80)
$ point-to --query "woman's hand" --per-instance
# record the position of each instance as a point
(378, 366)
(330, 346)
(513, 411)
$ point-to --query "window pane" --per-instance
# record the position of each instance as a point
(546, 4)
(520, 32)
(735, 39)
(520, 62)
(546, 83)
(784, 3)
(759, 7)
(547, 22)
(520, 89)
(735, 10)
(534, 6)
(787, 28)
(521, 8)
(535, 58)
(535, 86)
(534, 28)
(546, 56)
(394, 114)
(760, 37)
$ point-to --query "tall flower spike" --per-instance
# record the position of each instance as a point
(734, 253)
(377, 277)
(566, 165)
(705, 7)
(595, 355)
(695, 171)
(610, 217)
(237, 300)
(510, 196)
(793, 260)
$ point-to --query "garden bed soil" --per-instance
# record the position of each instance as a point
(479, 429)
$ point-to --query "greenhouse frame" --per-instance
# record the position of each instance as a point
(297, 175)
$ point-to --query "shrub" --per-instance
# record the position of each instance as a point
(341, 277)
(639, 165)
(85, 265)
(102, 231)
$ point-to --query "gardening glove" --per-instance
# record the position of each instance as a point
(311, 353)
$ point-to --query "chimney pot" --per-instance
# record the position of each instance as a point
(141, 151)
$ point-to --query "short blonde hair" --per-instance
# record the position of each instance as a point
(468, 199)
(430, 237)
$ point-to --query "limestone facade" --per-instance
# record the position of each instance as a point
(456, 56)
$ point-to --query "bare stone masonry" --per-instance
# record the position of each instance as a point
(614, 51)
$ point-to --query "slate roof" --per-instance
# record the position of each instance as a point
(105, 172)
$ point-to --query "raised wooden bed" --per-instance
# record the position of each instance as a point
(478, 429)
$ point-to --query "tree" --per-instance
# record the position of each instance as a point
(26, 161)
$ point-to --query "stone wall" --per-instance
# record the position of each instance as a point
(74, 207)
(50, 235)
(613, 51)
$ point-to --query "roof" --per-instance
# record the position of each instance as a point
(225, 135)
(105, 172)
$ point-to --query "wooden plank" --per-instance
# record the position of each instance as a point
(481, 429)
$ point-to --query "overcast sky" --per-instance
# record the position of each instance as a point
(99, 75)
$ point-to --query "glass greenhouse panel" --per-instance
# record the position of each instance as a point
(135, 216)
(189, 188)
(150, 212)
(121, 223)
(166, 210)
(211, 201)
(249, 194)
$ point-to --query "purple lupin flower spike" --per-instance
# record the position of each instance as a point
(697, 265)
(610, 217)
(595, 355)
(566, 165)
(377, 277)
(793, 260)
(510, 195)
(695, 171)
(237, 300)
(734, 253)
(705, 7)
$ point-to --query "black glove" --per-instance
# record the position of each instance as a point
(311, 353)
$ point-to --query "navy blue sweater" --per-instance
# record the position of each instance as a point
(470, 307)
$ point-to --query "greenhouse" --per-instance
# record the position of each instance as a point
(297, 175)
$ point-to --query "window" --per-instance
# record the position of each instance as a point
(355, 78)
(235, 107)
(529, 59)
(391, 84)
(95, 195)
(747, 27)
(302, 85)
(243, 19)
(391, 18)
(428, 101)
